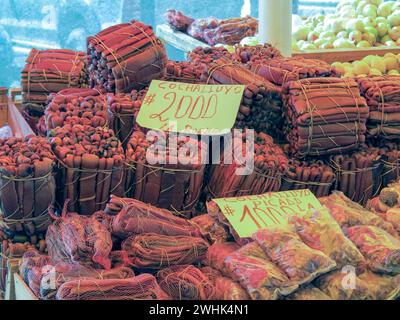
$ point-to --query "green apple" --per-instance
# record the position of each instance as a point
(361, 67)
(394, 19)
(382, 29)
(394, 33)
(391, 63)
(390, 43)
(375, 72)
(385, 9)
(371, 30)
(370, 11)
(301, 33)
(355, 25)
(370, 37)
(308, 46)
(378, 63)
(342, 43)
(339, 68)
(393, 73)
(363, 44)
(342, 34)
(355, 36)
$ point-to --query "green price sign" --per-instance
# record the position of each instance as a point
(249, 214)
(190, 108)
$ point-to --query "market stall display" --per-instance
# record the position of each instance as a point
(46, 72)
(175, 185)
(91, 162)
(125, 57)
(269, 165)
(381, 94)
(27, 187)
(324, 116)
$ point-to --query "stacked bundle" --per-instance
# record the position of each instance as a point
(136, 218)
(125, 57)
(359, 175)
(75, 239)
(186, 283)
(91, 166)
(154, 251)
(250, 53)
(27, 187)
(72, 109)
(60, 274)
(324, 116)
(210, 228)
(390, 158)
(269, 164)
(313, 175)
(167, 172)
(122, 110)
(282, 70)
(203, 55)
(382, 95)
(184, 71)
(47, 72)
(143, 287)
(261, 107)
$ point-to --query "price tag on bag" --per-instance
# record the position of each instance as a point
(247, 215)
(190, 108)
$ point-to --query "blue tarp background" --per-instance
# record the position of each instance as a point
(66, 23)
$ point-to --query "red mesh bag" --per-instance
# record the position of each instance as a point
(326, 236)
(210, 228)
(137, 217)
(251, 268)
(153, 251)
(32, 259)
(228, 290)
(217, 253)
(79, 240)
(177, 20)
(55, 276)
(211, 273)
(143, 287)
(381, 250)
(301, 263)
(120, 258)
(258, 52)
(186, 283)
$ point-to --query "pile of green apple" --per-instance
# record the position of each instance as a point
(356, 24)
(370, 66)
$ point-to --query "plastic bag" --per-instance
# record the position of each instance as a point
(348, 213)
(260, 277)
(383, 287)
(153, 251)
(186, 283)
(343, 286)
(301, 263)
(210, 228)
(309, 292)
(326, 236)
(381, 250)
(217, 253)
(228, 290)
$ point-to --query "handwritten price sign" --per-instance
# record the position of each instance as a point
(190, 108)
(249, 214)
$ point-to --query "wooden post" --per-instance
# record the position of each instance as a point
(275, 24)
